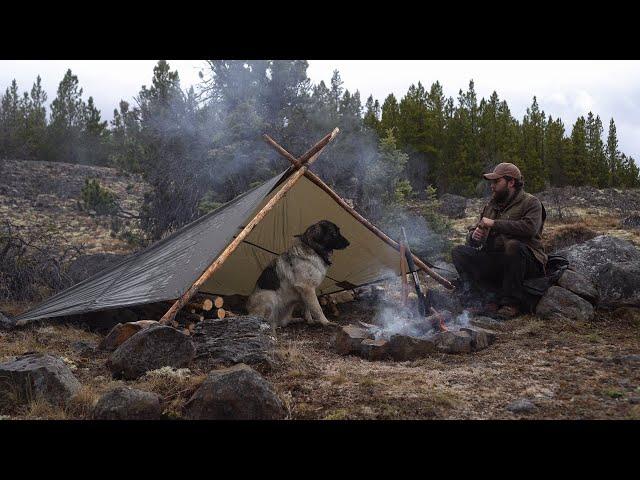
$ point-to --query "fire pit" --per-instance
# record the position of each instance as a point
(404, 337)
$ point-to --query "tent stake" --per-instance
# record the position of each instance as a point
(186, 296)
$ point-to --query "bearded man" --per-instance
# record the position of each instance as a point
(505, 247)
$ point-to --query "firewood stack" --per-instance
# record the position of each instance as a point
(200, 308)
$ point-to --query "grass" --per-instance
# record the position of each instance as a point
(337, 414)
(614, 393)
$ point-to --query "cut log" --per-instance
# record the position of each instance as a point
(219, 301)
(221, 313)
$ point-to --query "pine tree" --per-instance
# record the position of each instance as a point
(597, 174)
(534, 168)
(613, 155)
(576, 171)
(35, 121)
(94, 136)
(67, 121)
(372, 114)
(390, 115)
(11, 123)
(556, 152)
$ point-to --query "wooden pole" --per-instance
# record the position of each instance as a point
(184, 299)
(403, 272)
(379, 233)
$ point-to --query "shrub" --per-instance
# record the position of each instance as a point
(100, 199)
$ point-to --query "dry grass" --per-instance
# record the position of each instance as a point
(175, 387)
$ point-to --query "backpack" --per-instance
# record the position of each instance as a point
(535, 288)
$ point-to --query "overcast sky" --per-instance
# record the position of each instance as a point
(566, 89)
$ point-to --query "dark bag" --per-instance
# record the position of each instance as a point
(535, 288)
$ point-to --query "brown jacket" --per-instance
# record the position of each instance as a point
(522, 218)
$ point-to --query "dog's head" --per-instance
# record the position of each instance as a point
(324, 237)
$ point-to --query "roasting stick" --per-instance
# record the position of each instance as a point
(403, 272)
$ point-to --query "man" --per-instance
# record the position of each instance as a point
(505, 246)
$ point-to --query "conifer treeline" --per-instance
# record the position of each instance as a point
(206, 146)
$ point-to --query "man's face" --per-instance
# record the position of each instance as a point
(500, 189)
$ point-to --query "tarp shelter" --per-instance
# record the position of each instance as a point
(168, 268)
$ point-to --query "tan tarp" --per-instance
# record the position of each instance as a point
(364, 261)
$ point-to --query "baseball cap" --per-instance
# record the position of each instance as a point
(504, 170)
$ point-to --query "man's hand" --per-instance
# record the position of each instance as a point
(486, 223)
(479, 233)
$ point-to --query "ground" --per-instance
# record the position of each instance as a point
(569, 370)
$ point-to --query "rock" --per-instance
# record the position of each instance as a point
(405, 347)
(444, 300)
(149, 349)
(446, 270)
(480, 338)
(122, 331)
(374, 349)
(465, 340)
(453, 342)
(349, 338)
(619, 284)
(485, 322)
(632, 360)
(83, 349)
(587, 258)
(452, 206)
(36, 375)
(559, 303)
(228, 341)
(234, 393)
(124, 403)
(6, 323)
(632, 221)
(521, 405)
(580, 285)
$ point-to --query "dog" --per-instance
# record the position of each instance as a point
(292, 278)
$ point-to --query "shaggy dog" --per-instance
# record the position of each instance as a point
(292, 277)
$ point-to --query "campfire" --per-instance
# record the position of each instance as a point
(406, 327)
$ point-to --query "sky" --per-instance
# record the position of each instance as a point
(564, 88)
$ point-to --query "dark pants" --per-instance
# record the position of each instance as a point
(503, 272)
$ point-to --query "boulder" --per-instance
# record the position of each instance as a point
(122, 331)
(83, 349)
(619, 284)
(36, 376)
(587, 258)
(349, 338)
(405, 347)
(124, 403)
(228, 341)
(559, 303)
(5, 322)
(521, 405)
(452, 206)
(446, 270)
(632, 221)
(372, 349)
(234, 393)
(155, 347)
(580, 285)
(454, 341)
